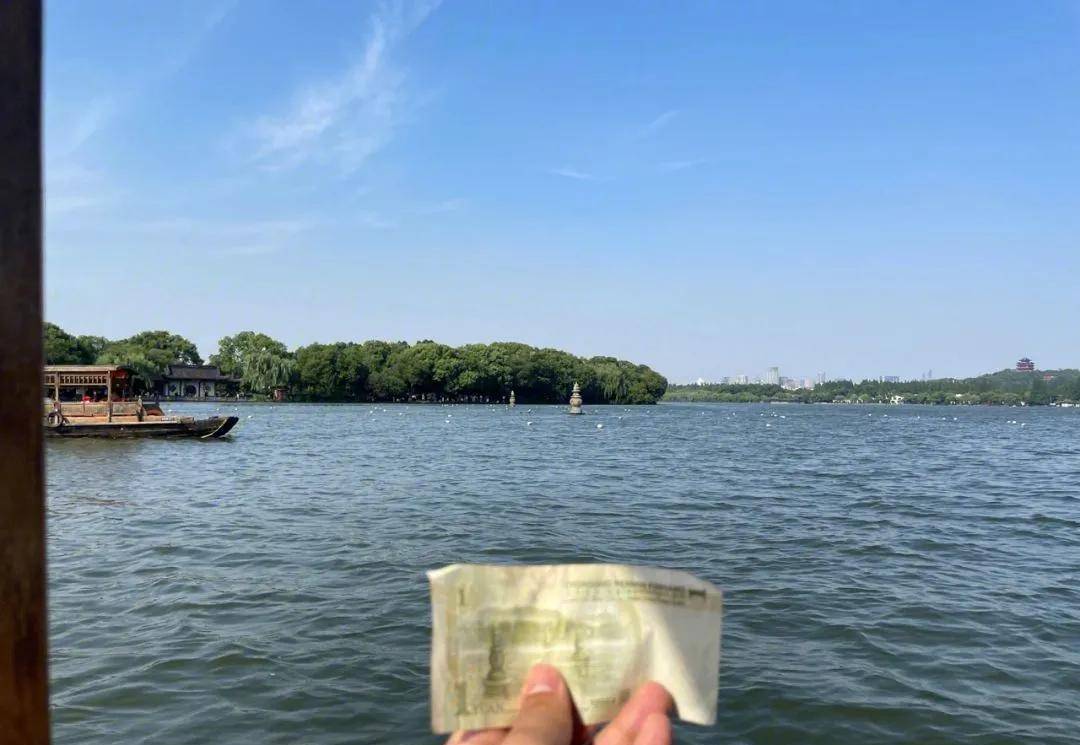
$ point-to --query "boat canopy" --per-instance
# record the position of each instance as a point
(72, 376)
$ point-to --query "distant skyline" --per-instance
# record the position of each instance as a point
(708, 189)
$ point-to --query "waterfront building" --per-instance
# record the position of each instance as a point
(195, 383)
(1025, 365)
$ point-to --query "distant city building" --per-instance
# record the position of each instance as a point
(741, 380)
(701, 381)
(772, 377)
(1025, 365)
(890, 379)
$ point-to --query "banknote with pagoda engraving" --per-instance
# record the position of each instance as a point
(607, 628)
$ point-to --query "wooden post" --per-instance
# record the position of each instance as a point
(108, 393)
(24, 693)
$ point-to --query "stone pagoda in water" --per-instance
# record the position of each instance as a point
(575, 400)
(513, 399)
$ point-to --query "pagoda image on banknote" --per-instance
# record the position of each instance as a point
(496, 682)
(586, 649)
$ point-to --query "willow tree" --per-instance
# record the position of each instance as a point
(264, 370)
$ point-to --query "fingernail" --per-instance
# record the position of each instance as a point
(542, 679)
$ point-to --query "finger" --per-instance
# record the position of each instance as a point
(546, 713)
(477, 737)
(656, 730)
(651, 698)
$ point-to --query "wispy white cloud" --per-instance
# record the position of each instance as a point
(573, 173)
(236, 237)
(440, 208)
(77, 121)
(372, 219)
(71, 188)
(681, 165)
(350, 117)
(656, 124)
(92, 117)
(202, 228)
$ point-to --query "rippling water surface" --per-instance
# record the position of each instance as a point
(892, 574)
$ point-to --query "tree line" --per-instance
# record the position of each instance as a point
(375, 370)
(1003, 388)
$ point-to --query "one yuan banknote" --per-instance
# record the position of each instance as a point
(608, 628)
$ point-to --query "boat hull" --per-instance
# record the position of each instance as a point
(206, 429)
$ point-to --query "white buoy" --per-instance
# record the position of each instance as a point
(599, 426)
(529, 423)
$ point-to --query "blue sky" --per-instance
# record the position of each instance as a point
(710, 188)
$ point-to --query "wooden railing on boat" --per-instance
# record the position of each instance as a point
(98, 409)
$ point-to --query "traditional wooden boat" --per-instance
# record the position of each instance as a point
(113, 417)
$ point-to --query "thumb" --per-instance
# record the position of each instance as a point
(546, 713)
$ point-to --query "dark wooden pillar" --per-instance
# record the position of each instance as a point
(24, 695)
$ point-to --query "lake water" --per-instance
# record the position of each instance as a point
(892, 574)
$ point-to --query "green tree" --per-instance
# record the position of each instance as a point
(1038, 395)
(317, 372)
(92, 346)
(143, 369)
(61, 348)
(234, 351)
(264, 370)
(160, 348)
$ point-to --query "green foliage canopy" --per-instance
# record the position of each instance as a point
(427, 370)
(378, 370)
(62, 348)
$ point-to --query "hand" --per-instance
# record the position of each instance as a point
(548, 717)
